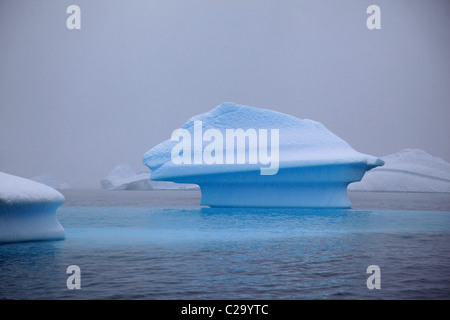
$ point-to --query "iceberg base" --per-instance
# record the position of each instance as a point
(275, 195)
(29, 222)
(323, 186)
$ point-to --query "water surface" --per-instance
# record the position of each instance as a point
(163, 245)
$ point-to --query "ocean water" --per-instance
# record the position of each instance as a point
(164, 245)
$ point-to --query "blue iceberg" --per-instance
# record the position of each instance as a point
(242, 156)
(28, 210)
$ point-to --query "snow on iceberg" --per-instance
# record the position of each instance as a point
(248, 157)
(28, 210)
(410, 170)
(123, 177)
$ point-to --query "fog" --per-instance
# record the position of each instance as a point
(76, 103)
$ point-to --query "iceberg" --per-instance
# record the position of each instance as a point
(28, 210)
(123, 177)
(409, 170)
(50, 181)
(243, 156)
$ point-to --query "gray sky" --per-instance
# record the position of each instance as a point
(76, 103)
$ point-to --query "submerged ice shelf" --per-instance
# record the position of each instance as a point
(28, 210)
(242, 156)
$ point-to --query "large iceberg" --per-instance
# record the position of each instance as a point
(28, 210)
(123, 177)
(409, 170)
(249, 157)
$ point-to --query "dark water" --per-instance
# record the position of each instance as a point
(163, 245)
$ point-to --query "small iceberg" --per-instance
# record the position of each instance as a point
(123, 177)
(242, 156)
(28, 210)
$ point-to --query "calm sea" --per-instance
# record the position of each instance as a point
(164, 245)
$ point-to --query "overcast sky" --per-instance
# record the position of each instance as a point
(76, 103)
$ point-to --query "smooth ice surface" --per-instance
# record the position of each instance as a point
(410, 170)
(123, 177)
(315, 166)
(28, 210)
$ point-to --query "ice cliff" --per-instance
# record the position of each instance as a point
(289, 162)
(28, 210)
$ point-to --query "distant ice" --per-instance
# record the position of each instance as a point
(50, 181)
(28, 210)
(315, 166)
(123, 177)
(410, 170)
